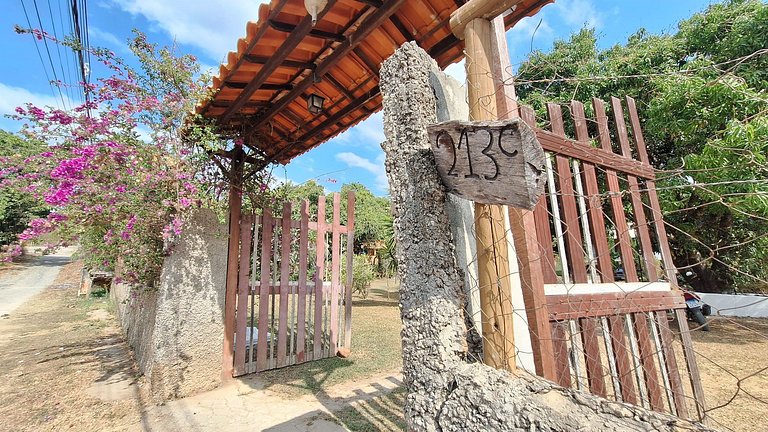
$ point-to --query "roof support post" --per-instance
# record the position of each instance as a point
(230, 296)
(490, 226)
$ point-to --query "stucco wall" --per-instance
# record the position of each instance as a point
(737, 305)
(177, 329)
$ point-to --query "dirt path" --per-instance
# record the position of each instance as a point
(18, 286)
(64, 365)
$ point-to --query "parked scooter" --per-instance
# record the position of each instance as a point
(696, 310)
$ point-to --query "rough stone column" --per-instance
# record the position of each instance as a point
(445, 393)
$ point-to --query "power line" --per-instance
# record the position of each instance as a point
(48, 52)
(37, 47)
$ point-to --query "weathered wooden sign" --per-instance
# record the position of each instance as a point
(490, 162)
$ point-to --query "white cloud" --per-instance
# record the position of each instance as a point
(458, 71)
(578, 13)
(368, 132)
(529, 33)
(214, 27)
(376, 168)
(12, 97)
(107, 39)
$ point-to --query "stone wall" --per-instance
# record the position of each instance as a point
(176, 330)
(445, 391)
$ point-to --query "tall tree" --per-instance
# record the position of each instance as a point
(702, 99)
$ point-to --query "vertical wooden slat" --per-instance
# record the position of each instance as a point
(595, 371)
(666, 254)
(596, 216)
(678, 395)
(541, 218)
(350, 262)
(634, 191)
(560, 345)
(620, 219)
(242, 344)
(285, 261)
(623, 363)
(693, 367)
(658, 221)
(264, 288)
(335, 272)
(570, 213)
(301, 316)
(319, 276)
(646, 359)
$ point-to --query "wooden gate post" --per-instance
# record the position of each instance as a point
(471, 23)
(230, 297)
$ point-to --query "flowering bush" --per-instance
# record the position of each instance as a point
(117, 170)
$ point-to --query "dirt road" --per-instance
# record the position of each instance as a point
(18, 287)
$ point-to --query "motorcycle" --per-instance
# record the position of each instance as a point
(696, 310)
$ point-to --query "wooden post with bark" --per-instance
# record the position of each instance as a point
(230, 298)
(471, 23)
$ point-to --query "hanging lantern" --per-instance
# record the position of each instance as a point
(314, 7)
(315, 103)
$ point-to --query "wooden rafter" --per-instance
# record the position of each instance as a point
(372, 22)
(294, 39)
(289, 28)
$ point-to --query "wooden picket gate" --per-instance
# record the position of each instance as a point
(609, 283)
(291, 304)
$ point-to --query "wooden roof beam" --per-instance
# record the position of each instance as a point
(242, 85)
(250, 58)
(282, 53)
(374, 3)
(288, 28)
(370, 24)
(367, 61)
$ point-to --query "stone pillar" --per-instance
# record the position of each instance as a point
(445, 392)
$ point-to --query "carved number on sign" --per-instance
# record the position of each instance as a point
(445, 138)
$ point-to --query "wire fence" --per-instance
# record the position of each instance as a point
(616, 322)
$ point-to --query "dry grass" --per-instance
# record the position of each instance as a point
(51, 353)
(375, 348)
(733, 358)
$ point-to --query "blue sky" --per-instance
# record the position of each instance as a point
(210, 29)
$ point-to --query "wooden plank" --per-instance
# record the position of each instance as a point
(584, 152)
(593, 359)
(317, 339)
(242, 344)
(477, 9)
(647, 351)
(678, 395)
(335, 272)
(560, 344)
(594, 204)
(693, 367)
(281, 54)
(568, 306)
(301, 316)
(620, 219)
(369, 24)
(541, 219)
(489, 162)
(624, 367)
(570, 213)
(634, 190)
(656, 216)
(350, 264)
(285, 274)
(266, 261)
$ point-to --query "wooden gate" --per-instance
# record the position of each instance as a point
(609, 284)
(292, 306)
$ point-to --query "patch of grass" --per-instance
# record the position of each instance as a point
(376, 348)
(373, 415)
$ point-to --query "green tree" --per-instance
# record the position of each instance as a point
(17, 208)
(702, 98)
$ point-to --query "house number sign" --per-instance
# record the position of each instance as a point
(490, 162)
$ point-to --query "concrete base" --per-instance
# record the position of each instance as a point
(177, 329)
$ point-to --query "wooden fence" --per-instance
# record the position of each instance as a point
(291, 304)
(609, 285)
